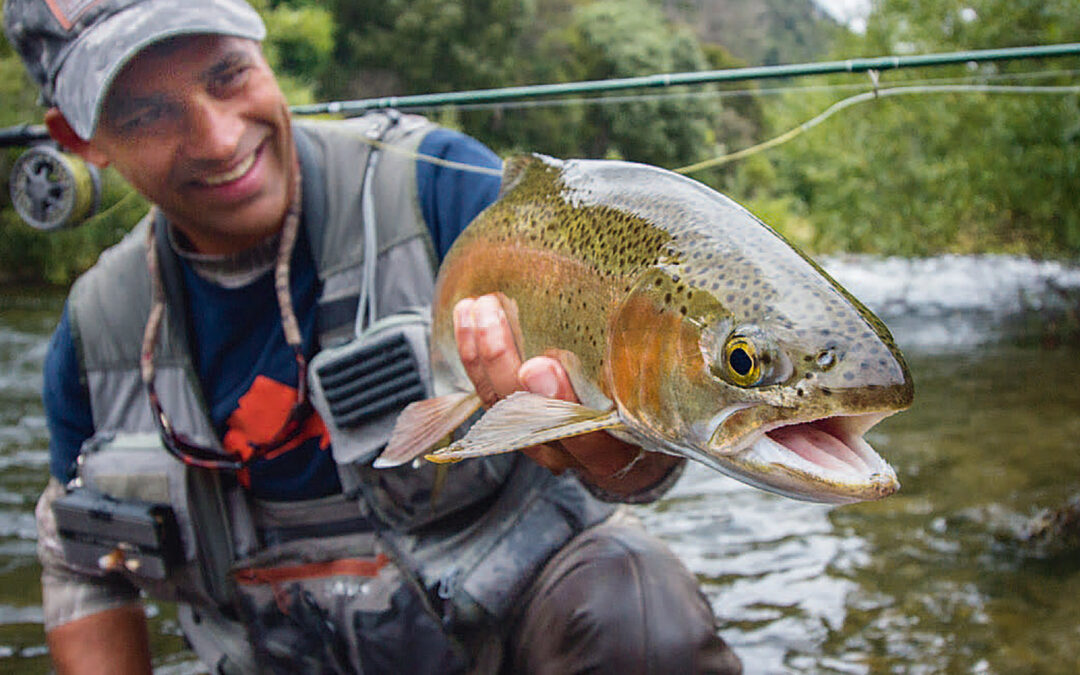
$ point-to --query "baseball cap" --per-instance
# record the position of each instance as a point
(74, 48)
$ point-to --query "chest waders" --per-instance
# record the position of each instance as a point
(407, 570)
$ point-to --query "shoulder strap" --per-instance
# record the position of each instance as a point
(335, 158)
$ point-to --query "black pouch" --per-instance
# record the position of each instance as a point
(178, 515)
(344, 608)
(141, 538)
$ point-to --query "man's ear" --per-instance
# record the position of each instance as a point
(63, 134)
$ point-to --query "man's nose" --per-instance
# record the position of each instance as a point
(213, 129)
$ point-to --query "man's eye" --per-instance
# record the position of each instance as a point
(229, 80)
(142, 119)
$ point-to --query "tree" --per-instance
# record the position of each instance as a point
(960, 172)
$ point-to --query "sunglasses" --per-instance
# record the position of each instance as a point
(204, 457)
(175, 443)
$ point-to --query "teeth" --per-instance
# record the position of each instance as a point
(240, 170)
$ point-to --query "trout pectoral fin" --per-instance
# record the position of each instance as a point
(423, 424)
(522, 420)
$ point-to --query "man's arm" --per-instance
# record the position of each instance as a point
(113, 641)
(66, 401)
(93, 625)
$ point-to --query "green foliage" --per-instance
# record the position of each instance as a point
(411, 46)
(917, 175)
(666, 132)
(418, 46)
(906, 175)
(766, 32)
(299, 45)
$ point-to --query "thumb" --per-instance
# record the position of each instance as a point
(545, 376)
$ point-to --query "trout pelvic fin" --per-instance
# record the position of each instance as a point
(522, 420)
(423, 424)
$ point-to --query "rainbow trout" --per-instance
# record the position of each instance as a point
(686, 325)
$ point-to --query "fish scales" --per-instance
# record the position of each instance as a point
(664, 299)
(527, 248)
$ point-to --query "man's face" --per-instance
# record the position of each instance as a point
(199, 126)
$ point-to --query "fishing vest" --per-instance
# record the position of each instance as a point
(408, 566)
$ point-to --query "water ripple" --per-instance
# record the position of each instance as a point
(10, 614)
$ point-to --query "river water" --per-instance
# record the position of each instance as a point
(931, 580)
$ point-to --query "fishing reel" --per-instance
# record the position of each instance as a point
(50, 189)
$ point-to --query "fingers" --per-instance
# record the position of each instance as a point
(546, 376)
(598, 452)
(489, 353)
(486, 346)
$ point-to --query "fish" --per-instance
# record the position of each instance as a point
(686, 326)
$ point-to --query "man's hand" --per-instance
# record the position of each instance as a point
(485, 340)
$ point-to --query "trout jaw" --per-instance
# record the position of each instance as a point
(823, 460)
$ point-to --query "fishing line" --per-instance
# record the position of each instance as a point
(438, 161)
(870, 96)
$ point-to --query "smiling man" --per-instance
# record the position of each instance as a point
(188, 461)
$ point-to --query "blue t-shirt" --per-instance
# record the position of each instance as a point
(247, 370)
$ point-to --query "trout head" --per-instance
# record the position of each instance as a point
(768, 376)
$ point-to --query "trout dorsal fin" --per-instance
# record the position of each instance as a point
(517, 167)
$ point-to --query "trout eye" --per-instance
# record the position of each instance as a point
(746, 356)
(742, 362)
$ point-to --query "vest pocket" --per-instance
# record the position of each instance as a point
(346, 608)
(133, 469)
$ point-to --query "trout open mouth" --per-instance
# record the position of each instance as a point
(823, 460)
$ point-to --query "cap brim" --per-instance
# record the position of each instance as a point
(102, 51)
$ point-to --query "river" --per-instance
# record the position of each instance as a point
(931, 580)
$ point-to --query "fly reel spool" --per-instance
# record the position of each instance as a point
(52, 190)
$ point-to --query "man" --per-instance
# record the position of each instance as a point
(291, 554)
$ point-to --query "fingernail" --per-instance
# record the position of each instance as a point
(463, 313)
(539, 379)
(488, 311)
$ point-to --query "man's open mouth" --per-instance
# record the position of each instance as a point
(235, 173)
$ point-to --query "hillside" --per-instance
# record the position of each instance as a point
(767, 32)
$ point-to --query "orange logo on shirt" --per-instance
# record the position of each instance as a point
(259, 415)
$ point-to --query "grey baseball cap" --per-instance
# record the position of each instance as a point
(74, 48)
